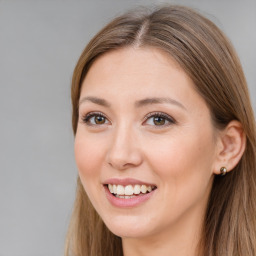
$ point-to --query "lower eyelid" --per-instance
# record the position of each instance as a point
(166, 124)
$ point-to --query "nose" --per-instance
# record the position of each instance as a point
(124, 151)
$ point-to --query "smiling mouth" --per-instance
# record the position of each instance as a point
(129, 191)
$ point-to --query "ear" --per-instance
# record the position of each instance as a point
(230, 146)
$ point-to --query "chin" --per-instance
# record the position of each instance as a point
(129, 227)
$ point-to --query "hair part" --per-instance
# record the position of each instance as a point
(209, 59)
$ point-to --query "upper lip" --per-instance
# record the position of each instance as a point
(126, 181)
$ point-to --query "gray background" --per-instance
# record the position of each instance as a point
(40, 42)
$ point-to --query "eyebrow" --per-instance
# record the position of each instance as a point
(150, 101)
(139, 103)
(95, 100)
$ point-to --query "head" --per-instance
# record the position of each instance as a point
(176, 55)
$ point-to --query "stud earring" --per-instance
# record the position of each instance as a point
(223, 171)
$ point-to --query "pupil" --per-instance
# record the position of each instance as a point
(99, 120)
(159, 120)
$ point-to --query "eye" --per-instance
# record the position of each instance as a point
(95, 119)
(159, 119)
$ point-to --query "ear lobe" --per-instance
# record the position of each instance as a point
(232, 142)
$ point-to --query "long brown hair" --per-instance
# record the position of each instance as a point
(208, 58)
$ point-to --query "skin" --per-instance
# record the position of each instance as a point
(179, 157)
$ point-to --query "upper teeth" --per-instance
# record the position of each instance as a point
(129, 189)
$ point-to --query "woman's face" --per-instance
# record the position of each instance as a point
(144, 130)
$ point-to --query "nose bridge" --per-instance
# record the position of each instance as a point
(124, 151)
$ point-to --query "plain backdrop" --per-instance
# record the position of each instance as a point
(40, 42)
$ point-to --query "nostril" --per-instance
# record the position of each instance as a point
(123, 161)
(120, 163)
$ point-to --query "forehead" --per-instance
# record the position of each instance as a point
(127, 55)
(140, 69)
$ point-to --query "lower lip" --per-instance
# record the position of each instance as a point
(129, 202)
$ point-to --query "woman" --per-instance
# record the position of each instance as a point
(164, 141)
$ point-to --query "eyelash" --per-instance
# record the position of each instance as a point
(166, 117)
(86, 118)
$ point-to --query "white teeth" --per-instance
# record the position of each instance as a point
(120, 190)
(136, 189)
(143, 189)
(120, 196)
(129, 190)
(114, 189)
(110, 187)
(125, 197)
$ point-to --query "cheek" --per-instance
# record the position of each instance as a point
(89, 161)
(184, 162)
(182, 153)
(88, 156)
